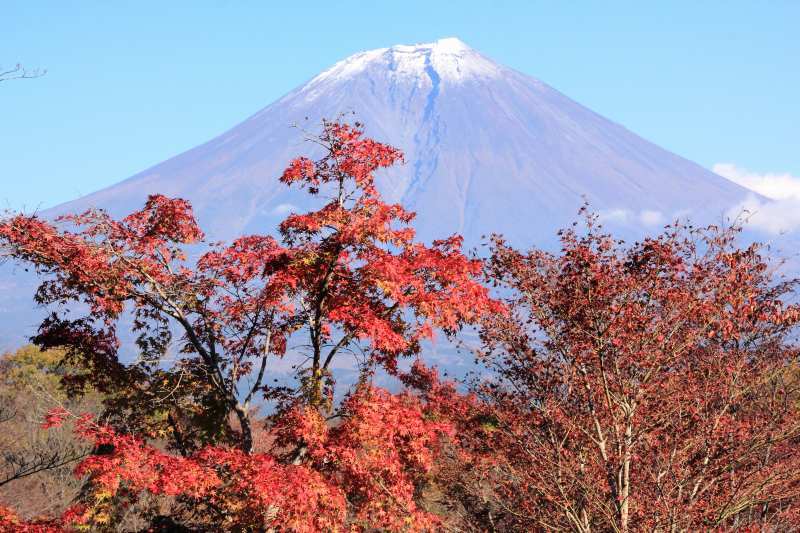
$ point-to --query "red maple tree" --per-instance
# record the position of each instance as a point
(347, 277)
(362, 474)
(650, 387)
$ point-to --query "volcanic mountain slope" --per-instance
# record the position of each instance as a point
(488, 149)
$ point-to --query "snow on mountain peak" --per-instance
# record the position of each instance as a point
(447, 60)
(447, 45)
(452, 44)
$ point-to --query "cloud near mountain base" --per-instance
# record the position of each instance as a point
(775, 217)
(781, 214)
(771, 185)
(646, 217)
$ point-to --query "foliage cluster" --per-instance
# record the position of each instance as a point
(635, 387)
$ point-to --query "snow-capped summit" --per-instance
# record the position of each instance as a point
(449, 45)
(488, 149)
(447, 60)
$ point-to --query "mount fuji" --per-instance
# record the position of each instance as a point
(488, 149)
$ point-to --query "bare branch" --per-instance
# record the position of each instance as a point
(18, 72)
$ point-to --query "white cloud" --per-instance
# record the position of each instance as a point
(651, 218)
(646, 217)
(615, 215)
(775, 186)
(781, 214)
(283, 209)
(776, 216)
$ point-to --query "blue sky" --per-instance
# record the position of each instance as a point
(130, 84)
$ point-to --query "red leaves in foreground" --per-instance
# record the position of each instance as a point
(10, 522)
(349, 154)
(645, 387)
(347, 279)
(649, 387)
(235, 490)
(361, 474)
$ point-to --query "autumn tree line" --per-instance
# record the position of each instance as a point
(647, 386)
